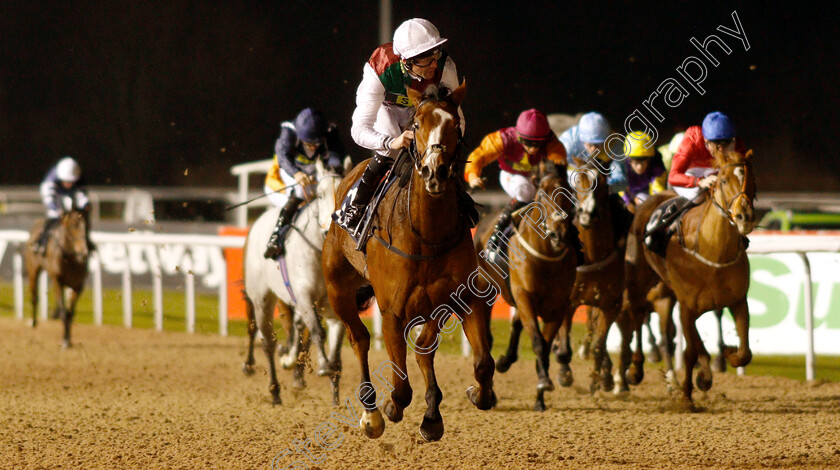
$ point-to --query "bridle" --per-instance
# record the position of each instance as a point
(418, 158)
(726, 208)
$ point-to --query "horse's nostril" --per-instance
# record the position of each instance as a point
(425, 172)
(443, 172)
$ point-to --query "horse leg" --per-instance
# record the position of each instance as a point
(741, 356)
(306, 311)
(286, 320)
(563, 350)
(296, 336)
(393, 330)
(335, 337)
(302, 356)
(585, 350)
(602, 370)
(664, 308)
(720, 360)
(69, 312)
(476, 329)
(637, 367)
(540, 347)
(549, 331)
(694, 350)
(655, 354)
(625, 325)
(512, 354)
(33, 291)
(248, 366)
(431, 429)
(264, 309)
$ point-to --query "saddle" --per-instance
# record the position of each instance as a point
(663, 222)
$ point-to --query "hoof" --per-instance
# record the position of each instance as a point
(545, 385)
(298, 384)
(635, 374)
(655, 356)
(66, 344)
(564, 378)
(539, 406)
(485, 404)
(719, 364)
(503, 364)
(33, 323)
(431, 429)
(275, 400)
(372, 424)
(287, 361)
(248, 369)
(671, 380)
(703, 381)
(584, 353)
(395, 414)
(282, 350)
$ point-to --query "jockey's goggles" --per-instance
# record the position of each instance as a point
(531, 142)
(312, 144)
(424, 60)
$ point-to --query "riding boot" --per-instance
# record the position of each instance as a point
(41, 244)
(376, 169)
(493, 245)
(274, 248)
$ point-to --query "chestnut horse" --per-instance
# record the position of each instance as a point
(65, 260)
(419, 264)
(705, 262)
(540, 264)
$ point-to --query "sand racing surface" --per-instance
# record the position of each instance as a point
(143, 399)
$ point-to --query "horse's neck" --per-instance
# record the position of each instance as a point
(435, 218)
(716, 239)
(598, 240)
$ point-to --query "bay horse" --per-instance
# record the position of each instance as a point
(602, 227)
(541, 281)
(304, 297)
(705, 262)
(419, 263)
(65, 259)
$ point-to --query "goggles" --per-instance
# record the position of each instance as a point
(424, 60)
(531, 142)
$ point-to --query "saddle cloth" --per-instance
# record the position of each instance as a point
(663, 223)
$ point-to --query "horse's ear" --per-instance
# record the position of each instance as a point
(348, 163)
(748, 156)
(415, 96)
(319, 167)
(457, 95)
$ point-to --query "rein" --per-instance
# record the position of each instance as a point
(530, 249)
(727, 211)
(588, 268)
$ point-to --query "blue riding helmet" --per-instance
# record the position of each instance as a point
(593, 128)
(310, 125)
(717, 126)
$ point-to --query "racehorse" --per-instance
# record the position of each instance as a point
(705, 262)
(65, 259)
(420, 262)
(302, 292)
(602, 226)
(540, 283)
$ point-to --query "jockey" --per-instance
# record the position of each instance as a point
(63, 182)
(646, 173)
(309, 138)
(587, 140)
(383, 111)
(692, 167)
(519, 151)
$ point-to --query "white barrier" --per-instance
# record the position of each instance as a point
(135, 253)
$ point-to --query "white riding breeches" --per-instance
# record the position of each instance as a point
(697, 172)
(517, 186)
(280, 198)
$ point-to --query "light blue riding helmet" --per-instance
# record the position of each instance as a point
(593, 128)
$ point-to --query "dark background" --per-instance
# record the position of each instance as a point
(143, 92)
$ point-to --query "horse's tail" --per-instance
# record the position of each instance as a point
(364, 297)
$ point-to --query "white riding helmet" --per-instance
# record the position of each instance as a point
(68, 170)
(416, 36)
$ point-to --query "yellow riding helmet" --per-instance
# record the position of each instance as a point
(639, 145)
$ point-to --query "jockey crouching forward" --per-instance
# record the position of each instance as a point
(519, 151)
(63, 184)
(692, 169)
(383, 110)
(646, 173)
(300, 144)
